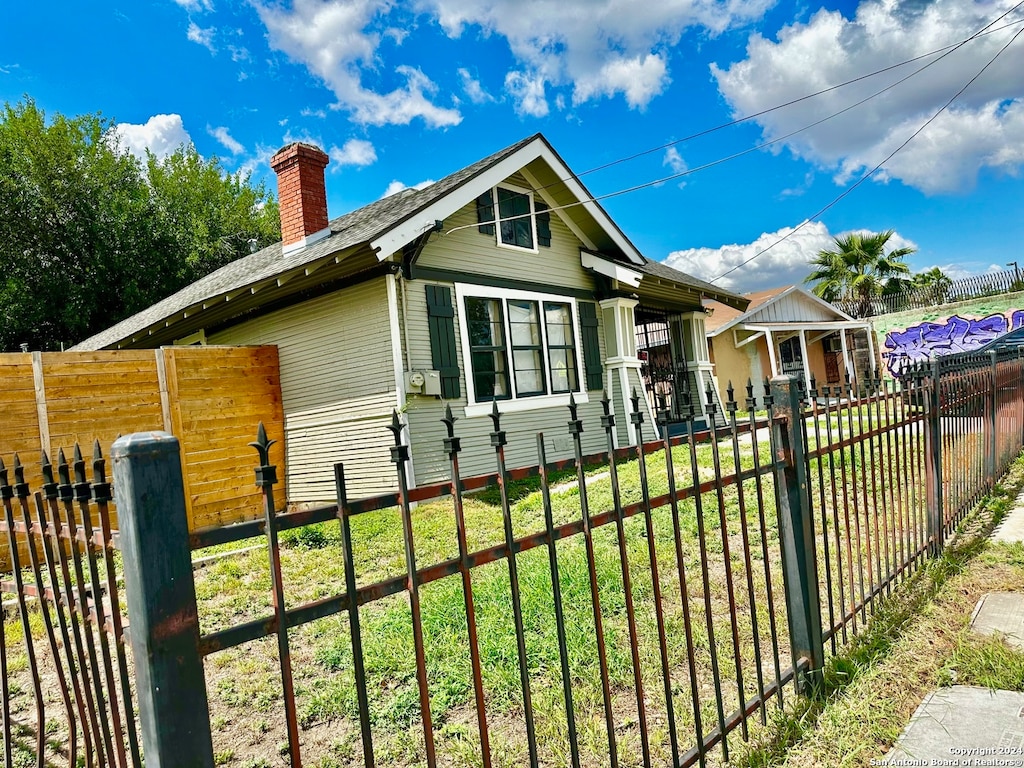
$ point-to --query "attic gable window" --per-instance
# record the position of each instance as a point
(522, 222)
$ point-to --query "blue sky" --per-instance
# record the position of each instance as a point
(402, 93)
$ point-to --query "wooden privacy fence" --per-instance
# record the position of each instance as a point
(208, 397)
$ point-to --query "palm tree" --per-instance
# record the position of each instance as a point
(858, 271)
(933, 285)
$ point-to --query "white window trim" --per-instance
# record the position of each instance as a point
(516, 403)
(498, 219)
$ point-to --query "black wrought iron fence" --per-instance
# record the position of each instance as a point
(66, 690)
(654, 599)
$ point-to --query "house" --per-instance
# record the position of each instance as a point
(504, 282)
(786, 330)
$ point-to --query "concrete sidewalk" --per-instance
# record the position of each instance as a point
(965, 725)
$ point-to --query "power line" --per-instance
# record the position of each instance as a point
(948, 50)
(870, 173)
(738, 121)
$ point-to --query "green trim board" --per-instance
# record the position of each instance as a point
(451, 276)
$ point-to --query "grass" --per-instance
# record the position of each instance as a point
(918, 639)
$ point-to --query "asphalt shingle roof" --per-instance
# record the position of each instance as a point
(353, 229)
(658, 269)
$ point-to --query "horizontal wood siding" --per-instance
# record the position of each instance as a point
(470, 252)
(109, 393)
(217, 398)
(424, 415)
(337, 388)
(210, 398)
(794, 308)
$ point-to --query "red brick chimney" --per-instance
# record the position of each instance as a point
(301, 194)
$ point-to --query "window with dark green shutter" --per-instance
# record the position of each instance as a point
(485, 213)
(443, 345)
(591, 345)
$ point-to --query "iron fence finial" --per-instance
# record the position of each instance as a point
(20, 486)
(449, 420)
(636, 416)
(452, 444)
(49, 484)
(262, 444)
(100, 486)
(709, 393)
(607, 418)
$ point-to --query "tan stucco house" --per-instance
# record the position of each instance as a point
(785, 330)
(504, 282)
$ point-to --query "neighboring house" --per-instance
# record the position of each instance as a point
(785, 330)
(503, 282)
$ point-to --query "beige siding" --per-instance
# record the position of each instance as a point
(469, 251)
(337, 388)
(424, 414)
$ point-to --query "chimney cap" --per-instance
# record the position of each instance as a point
(296, 150)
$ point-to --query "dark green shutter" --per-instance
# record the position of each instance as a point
(543, 224)
(443, 350)
(591, 345)
(485, 213)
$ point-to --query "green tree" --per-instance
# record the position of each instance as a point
(931, 286)
(88, 236)
(211, 217)
(858, 271)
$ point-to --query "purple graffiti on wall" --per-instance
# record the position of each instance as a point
(957, 334)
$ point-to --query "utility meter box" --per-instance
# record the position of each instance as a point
(423, 383)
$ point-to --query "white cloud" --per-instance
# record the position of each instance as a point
(239, 53)
(353, 152)
(309, 112)
(674, 160)
(226, 139)
(784, 264)
(639, 79)
(161, 135)
(335, 41)
(596, 49)
(202, 36)
(983, 129)
(397, 186)
(472, 88)
(527, 91)
(195, 5)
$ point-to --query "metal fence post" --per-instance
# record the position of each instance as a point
(933, 456)
(796, 532)
(164, 631)
(991, 426)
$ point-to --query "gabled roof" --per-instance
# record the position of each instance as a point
(723, 318)
(378, 230)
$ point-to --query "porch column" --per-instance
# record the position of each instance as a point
(846, 354)
(700, 365)
(870, 331)
(807, 364)
(771, 352)
(622, 365)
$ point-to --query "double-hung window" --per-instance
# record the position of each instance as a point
(522, 221)
(522, 347)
